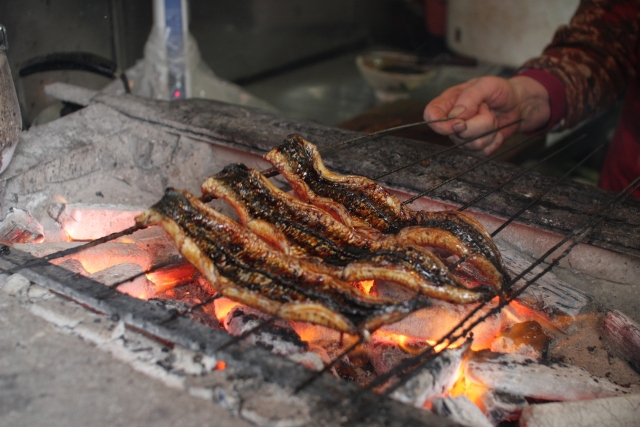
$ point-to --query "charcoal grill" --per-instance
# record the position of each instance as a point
(91, 142)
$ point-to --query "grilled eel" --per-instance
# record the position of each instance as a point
(355, 200)
(280, 218)
(241, 266)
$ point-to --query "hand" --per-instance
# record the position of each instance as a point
(486, 103)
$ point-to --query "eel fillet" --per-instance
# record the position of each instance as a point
(241, 266)
(355, 200)
(276, 216)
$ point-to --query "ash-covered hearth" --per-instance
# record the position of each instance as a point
(561, 340)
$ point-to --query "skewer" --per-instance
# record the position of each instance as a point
(271, 172)
(544, 193)
(514, 217)
(474, 167)
(524, 172)
(61, 254)
(437, 153)
(594, 220)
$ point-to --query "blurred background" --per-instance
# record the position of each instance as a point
(298, 57)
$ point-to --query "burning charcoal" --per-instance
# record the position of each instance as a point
(172, 276)
(140, 287)
(74, 266)
(277, 337)
(622, 411)
(88, 222)
(501, 407)
(525, 376)
(432, 322)
(461, 410)
(20, 227)
(624, 334)
(548, 295)
(435, 378)
(94, 259)
(155, 241)
(526, 338)
(388, 350)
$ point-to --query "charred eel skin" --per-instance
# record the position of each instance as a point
(242, 267)
(317, 233)
(268, 211)
(300, 163)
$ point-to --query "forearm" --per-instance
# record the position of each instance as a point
(594, 56)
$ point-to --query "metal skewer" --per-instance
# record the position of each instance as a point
(474, 167)
(594, 220)
(271, 172)
(544, 193)
(437, 153)
(524, 172)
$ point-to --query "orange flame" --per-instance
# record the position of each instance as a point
(464, 386)
(220, 366)
(366, 286)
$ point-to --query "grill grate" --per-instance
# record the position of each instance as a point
(164, 324)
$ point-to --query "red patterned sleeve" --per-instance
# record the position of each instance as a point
(594, 57)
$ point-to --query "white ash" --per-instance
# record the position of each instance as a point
(461, 410)
(525, 376)
(622, 411)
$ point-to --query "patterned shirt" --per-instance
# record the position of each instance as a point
(594, 57)
(591, 64)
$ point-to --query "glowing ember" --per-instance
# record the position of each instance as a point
(472, 390)
(315, 334)
(220, 366)
(222, 307)
(111, 254)
(168, 279)
(365, 285)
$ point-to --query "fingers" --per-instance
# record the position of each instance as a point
(476, 105)
(444, 106)
(482, 123)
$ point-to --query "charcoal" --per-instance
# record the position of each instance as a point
(19, 226)
(501, 407)
(91, 221)
(278, 336)
(622, 411)
(624, 334)
(522, 375)
(461, 410)
(139, 287)
(525, 338)
(435, 377)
